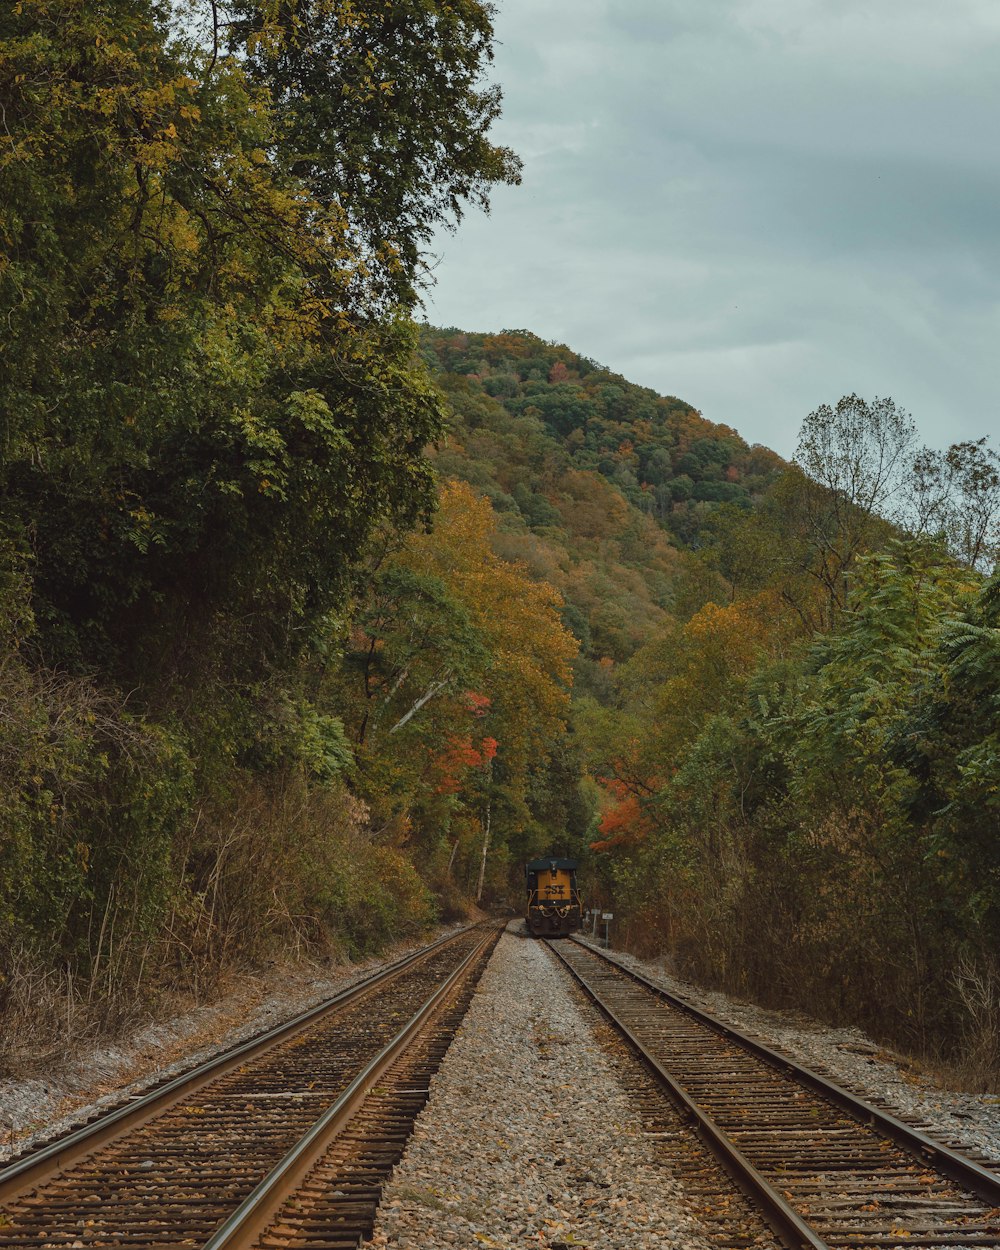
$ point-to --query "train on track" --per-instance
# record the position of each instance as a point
(553, 907)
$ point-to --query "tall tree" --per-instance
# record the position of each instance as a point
(854, 461)
(383, 115)
(457, 673)
(199, 431)
(957, 494)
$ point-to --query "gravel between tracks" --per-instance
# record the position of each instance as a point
(528, 1138)
(970, 1122)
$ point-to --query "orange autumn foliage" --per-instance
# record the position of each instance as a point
(459, 757)
(622, 825)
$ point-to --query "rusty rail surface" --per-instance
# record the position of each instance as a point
(827, 1168)
(171, 1169)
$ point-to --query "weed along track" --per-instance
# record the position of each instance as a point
(826, 1168)
(295, 1130)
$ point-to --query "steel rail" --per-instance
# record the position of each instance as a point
(786, 1223)
(957, 1167)
(38, 1165)
(259, 1209)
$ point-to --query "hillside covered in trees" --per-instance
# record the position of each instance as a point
(785, 696)
(315, 623)
(604, 488)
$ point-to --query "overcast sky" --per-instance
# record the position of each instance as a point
(756, 205)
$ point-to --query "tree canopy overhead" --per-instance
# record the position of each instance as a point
(211, 402)
(383, 115)
(209, 393)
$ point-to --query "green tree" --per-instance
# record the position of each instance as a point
(382, 114)
(211, 399)
(199, 434)
(418, 644)
(950, 743)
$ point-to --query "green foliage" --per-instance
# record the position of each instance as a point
(826, 834)
(371, 895)
(91, 798)
(382, 116)
(198, 437)
(657, 451)
(581, 464)
(455, 679)
(211, 402)
(215, 415)
(948, 740)
(867, 670)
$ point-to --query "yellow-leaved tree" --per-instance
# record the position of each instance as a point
(465, 673)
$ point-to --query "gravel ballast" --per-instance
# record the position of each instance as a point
(93, 1078)
(528, 1138)
(969, 1122)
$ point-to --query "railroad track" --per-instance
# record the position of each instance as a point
(826, 1168)
(282, 1141)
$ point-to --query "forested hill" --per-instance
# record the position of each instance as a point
(604, 488)
(657, 450)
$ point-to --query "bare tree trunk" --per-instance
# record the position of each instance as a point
(451, 857)
(486, 847)
(424, 698)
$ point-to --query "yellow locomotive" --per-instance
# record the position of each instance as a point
(554, 907)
